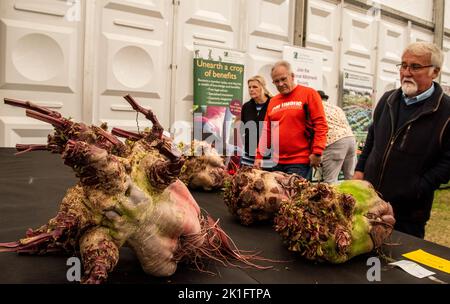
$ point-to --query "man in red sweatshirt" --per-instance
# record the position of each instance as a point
(295, 129)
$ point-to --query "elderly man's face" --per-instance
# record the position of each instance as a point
(283, 80)
(415, 76)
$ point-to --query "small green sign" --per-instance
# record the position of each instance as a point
(216, 83)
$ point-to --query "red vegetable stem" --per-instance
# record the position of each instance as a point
(21, 148)
(148, 113)
(31, 106)
(56, 122)
(126, 134)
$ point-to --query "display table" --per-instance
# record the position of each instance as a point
(33, 184)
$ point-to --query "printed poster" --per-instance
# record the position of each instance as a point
(357, 103)
(306, 65)
(218, 94)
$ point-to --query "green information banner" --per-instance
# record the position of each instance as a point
(218, 92)
(217, 83)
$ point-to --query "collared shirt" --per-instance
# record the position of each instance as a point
(258, 108)
(420, 97)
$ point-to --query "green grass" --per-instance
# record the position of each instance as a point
(438, 227)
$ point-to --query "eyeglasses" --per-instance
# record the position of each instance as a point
(280, 81)
(415, 67)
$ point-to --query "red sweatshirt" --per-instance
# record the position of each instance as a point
(284, 128)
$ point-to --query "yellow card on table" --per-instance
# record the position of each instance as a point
(429, 260)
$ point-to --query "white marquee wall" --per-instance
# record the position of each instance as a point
(79, 57)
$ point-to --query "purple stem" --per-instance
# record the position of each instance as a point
(56, 122)
(148, 113)
(21, 148)
(127, 134)
(31, 106)
(115, 141)
(25, 244)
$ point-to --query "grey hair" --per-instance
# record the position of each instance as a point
(282, 63)
(424, 48)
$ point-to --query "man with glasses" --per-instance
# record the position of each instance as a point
(295, 127)
(407, 152)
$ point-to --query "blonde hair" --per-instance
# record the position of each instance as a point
(424, 48)
(262, 82)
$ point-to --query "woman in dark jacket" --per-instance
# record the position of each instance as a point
(252, 118)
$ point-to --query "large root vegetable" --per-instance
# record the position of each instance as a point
(126, 195)
(204, 168)
(334, 223)
(255, 195)
(322, 222)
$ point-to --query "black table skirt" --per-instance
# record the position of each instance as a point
(32, 186)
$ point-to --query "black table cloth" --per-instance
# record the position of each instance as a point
(33, 184)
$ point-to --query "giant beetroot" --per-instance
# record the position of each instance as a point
(319, 221)
(255, 195)
(335, 223)
(204, 168)
(126, 195)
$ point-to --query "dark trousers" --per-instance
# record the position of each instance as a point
(413, 228)
(300, 169)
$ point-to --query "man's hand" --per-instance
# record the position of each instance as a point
(358, 175)
(257, 164)
(315, 160)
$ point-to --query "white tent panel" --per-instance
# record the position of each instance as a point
(323, 34)
(133, 40)
(418, 8)
(393, 37)
(215, 23)
(41, 59)
(270, 26)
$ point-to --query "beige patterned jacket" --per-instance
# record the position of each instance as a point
(338, 126)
